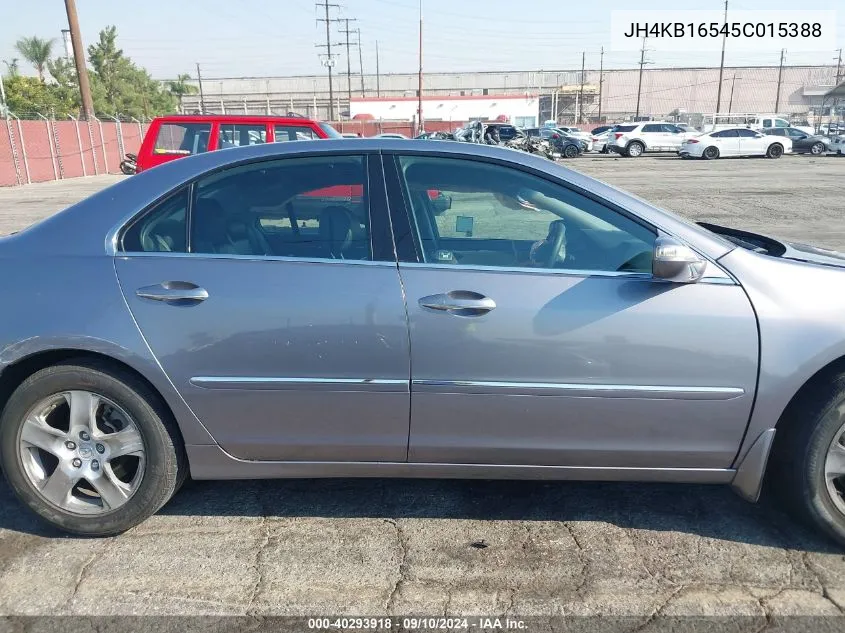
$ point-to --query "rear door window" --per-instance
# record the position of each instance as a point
(625, 128)
(241, 135)
(182, 138)
(652, 128)
(285, 133)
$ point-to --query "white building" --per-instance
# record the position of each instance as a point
(521, 110)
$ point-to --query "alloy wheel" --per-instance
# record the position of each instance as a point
(817, 148)
(81, 452)
(834, 469)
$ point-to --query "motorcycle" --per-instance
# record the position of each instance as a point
(129, 165)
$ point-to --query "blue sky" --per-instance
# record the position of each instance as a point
(277, 37)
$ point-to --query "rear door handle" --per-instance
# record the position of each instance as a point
(173, 292)
(459, 302)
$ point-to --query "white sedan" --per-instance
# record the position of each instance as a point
(735, 142)
(837, 145)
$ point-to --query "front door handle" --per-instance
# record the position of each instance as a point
(173, 292)
(459, 303)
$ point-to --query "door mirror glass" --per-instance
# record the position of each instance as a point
(677, 262)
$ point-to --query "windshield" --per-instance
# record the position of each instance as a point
(329, 130)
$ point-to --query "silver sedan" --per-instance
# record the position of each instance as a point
(359, 308)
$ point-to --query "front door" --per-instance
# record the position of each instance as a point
(538, 335)
(751, 142)
(280, 321)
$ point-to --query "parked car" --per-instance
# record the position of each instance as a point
(837, 145)
(176, 135)
(577, 133)
(601, 129)
(390, 135)
(565, 146)
(601, 140)
(350, 135)
(651, 136)
(736, 142)
(802, 143)
(235, 319)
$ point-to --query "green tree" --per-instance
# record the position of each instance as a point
(36, 51)
(119, 86)
(181, 87)
(12, 67)
(27, 95)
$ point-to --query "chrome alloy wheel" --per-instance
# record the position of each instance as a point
(81, 452)
(834, 470)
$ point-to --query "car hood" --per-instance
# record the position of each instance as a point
(781, 249)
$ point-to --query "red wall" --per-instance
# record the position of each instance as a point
(38, 144)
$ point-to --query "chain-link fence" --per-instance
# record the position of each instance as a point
(39, 146)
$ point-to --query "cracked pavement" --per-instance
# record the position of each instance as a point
(370, 547)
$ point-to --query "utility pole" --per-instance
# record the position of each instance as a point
(378, 77)
(360, 61)
(581, 91)
(731, 102)
(79, 60)
(420, 127)
(346, 31)
(202, 96)
(601, 79)
(838, 66)
(643, 62)
(780, 77)
(722, 64)
(328, 62)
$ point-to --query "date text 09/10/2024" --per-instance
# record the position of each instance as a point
(417, 623)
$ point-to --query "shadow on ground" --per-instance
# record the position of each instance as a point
(706, 511)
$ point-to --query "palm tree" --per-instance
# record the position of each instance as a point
(11, 67)
(181, 87)
(36, 51)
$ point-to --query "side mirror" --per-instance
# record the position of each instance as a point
(676, 262)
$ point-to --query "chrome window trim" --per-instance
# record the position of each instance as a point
(560, 272)
(279, 382)
(591, 390)
(263, 258)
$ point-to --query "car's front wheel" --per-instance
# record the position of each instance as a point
(90, 448)
(817, 148)
(570, 151)
(775, 151)
(808, 464)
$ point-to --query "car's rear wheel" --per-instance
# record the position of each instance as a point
(817, 148)
(808, 464)
(570, 151)
(775, 151)
(634, 149)
(90, 448)
(710, 153)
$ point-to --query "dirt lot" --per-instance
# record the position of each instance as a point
(377, 546)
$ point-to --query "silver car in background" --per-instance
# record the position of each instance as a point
(401, 308)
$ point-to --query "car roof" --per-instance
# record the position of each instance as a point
(217, 118)
(87, 228)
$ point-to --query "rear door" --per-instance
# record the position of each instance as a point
(171, 139)
(278, 315)
(236, 134)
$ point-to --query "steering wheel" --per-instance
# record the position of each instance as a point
(557, 233)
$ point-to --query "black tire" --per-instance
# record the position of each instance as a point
(127, 168)
(775, 151)
(570, 151)
(166, 464)
(817, 149)
(710, 153)
(798, 460)
(634, 149)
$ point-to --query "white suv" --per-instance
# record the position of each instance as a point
(649, 136)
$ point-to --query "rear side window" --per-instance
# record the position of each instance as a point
(725, 134)
(746, 133)
(162, 230)
(182, 138)
(625, 128)
(286, 133)
(240, 135)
